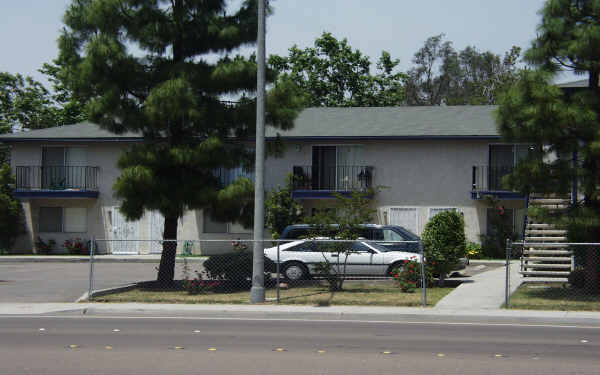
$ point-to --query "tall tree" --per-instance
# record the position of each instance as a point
(565, 127)
(26, 104)
(147, 66)
(335, 75)
(443, 75)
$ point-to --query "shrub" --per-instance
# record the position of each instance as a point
(43, 247)
(408, 277)
(11, 212)
(235, 267)
(200, 286)
(76, 246)
(474, 250)
(444, 242)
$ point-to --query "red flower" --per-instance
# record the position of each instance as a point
(405, 261)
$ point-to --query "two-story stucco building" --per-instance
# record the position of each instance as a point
(427, 158)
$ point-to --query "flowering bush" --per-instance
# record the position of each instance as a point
(44, 247)
(76, 246)
(200, 286)
(408, 277)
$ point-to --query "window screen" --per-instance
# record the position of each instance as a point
(212, 226)
(435, 211)
(75, 219)
(50, 219)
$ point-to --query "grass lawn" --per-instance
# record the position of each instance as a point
(553, 296)
(354, 293)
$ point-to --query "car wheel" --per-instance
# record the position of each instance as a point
(398, 265)
(294, 271)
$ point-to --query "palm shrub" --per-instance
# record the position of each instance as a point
(444, 242)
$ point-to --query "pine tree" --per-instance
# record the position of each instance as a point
(565, 127)
(161, 68)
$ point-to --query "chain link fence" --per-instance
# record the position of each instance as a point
(553, 275)
(220, 271)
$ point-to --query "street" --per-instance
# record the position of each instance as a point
(183, 345)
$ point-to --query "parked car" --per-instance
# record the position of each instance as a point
(383, 235)
(298, 259)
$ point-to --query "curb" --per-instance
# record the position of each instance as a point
(102, 292)
(65, 259)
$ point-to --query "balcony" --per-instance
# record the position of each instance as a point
(487, 181)
(315, 181)
(56, 181)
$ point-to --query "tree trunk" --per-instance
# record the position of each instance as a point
(166, 270)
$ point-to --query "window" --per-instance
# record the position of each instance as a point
(50, 219)
(75, 219)
(503, 159)
(59, 219)
(360, 247)
(212, 226)
(304, 247)
(387, 235)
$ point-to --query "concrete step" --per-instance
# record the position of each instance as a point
(547, 252)
(545, 239)
(542, 259)
(546, 232)
(546, 265)
(549, 201)
(545, 273)
(540, 226)
(545, 245)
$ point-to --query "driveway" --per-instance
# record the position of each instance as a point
(66, 282)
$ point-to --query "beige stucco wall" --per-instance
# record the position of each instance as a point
(416, 173)
(421, 174)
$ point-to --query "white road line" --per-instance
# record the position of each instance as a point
(306, 320)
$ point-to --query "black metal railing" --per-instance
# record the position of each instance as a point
(57, 177)
(337, 178)
(489, 178)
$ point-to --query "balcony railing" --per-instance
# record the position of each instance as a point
(489, 178)
(57, 178)
(335, 178)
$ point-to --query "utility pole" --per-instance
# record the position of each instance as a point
(257, 293)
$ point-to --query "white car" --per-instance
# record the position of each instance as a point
(298, 259)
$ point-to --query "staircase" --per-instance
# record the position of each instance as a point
(550, 259)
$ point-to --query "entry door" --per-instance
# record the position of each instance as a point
(405, 217)
(324, 167)
(53, 168)
(156, 224)
(122, 231)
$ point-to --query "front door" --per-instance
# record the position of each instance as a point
(123, 233)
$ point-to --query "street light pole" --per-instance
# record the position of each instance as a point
(257, 293)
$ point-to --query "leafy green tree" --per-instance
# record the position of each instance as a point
(334, 75)
(443, 75)
(149, 66)
(444, 242)
(26, 103)
(11, 213)
(347, 214)
(281, 209)
(563, 126)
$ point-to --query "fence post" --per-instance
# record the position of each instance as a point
(423, 276)
(278, 243)
(91, 288)
(507, 283)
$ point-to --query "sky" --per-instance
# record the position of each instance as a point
(29, 28)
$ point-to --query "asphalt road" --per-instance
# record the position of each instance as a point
(100, 345)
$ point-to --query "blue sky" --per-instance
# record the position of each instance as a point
(29, 28)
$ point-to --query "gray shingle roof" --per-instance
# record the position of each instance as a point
(393, 122)
(323, 123)
(80, 131)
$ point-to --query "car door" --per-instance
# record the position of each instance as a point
(359, 260)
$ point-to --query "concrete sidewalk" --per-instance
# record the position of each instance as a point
(291, 312)
(483, 291)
